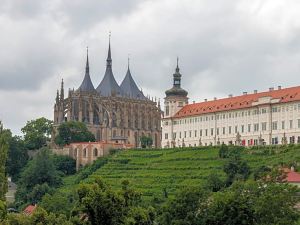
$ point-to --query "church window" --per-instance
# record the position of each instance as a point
(95, 152)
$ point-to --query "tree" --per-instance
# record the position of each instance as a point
(3, 179)
(146, 141)
(38, 175)
(236, 169)
(223, 151)
(73, 131)
(214, 183)
(17, 157)
(37, 133)
(183, 209)
(65, 164)
(251, 203)
(103, 206)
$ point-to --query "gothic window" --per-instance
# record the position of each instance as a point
(95, 152)
(114, 120)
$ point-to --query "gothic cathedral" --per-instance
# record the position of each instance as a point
(112, 112)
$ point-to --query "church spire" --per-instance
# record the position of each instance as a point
(109, 60)
(87, 67)
(177, 68)
(62, 97)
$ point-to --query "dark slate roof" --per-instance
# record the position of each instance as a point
(87, 84)
(108, 84)
(130, 88)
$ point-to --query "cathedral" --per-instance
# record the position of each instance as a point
(112, 112)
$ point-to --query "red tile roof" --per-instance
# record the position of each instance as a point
(292, 177)
(29, 210)
(239, 102)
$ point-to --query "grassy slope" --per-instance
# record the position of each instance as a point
(150, 171)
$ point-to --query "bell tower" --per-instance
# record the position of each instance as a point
(176, 97)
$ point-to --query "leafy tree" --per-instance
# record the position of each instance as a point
(3, 157)
(251, 203)
(37, 175)
(3, 212)
(183, 209)
(17, 157)
(73, 131)
(223, 151)
(214, 183)
(146, 141)
(37, 133)
(105, 206)
(236, 169)
(65, 164)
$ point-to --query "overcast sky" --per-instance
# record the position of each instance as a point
(224, 47)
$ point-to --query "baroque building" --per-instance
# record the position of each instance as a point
(112, 112)
(258, 118)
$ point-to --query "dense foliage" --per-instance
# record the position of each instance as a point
(73, 131)
(146, 141)
(37, 133)
(38, 178)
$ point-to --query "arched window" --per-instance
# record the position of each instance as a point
(95, 152)
(84, 153)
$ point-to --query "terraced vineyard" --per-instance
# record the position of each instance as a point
(152, 171)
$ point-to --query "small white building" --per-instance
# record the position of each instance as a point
(258, 118)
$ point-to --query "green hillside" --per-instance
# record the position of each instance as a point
(152, 171)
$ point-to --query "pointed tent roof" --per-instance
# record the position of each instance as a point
(130, 88)
(87, 84)
(108, 84)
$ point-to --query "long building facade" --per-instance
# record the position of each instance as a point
(260, 118)
(112, 112)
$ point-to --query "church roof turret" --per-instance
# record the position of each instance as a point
(87, 84)
(129, 86)
(176, 90)
(108, 85)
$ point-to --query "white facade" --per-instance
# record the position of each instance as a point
(266, 121)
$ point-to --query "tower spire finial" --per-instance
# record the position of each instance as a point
(177, 68)
(109, 61)
(87, 67)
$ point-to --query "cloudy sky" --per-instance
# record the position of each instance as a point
(225, 47)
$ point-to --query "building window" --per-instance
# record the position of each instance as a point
(212, 131)
(223, 130)
(206, 132)
(217, 131)
(291, 124)
(292, 140)
(200, 133)
(274, 109)
(298, 123)
(166, 135)
(84, 153)
(236, 129)
(184, 134)
(174, 135)
(242, 128)
(263, 111)
(275, 141)
(249, 127)
(274, 125)
(195, 133)
(264, 126)
(282, 125)
(179, 134)
(256, 127)
(167, 110)
(190, 133)
(95, 152)
(229, 129)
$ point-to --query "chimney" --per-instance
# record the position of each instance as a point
(205, 99)
(230, 96)
(255, 91)
(215, 98)
(271, 89)
(245, 93)
(279, 87)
